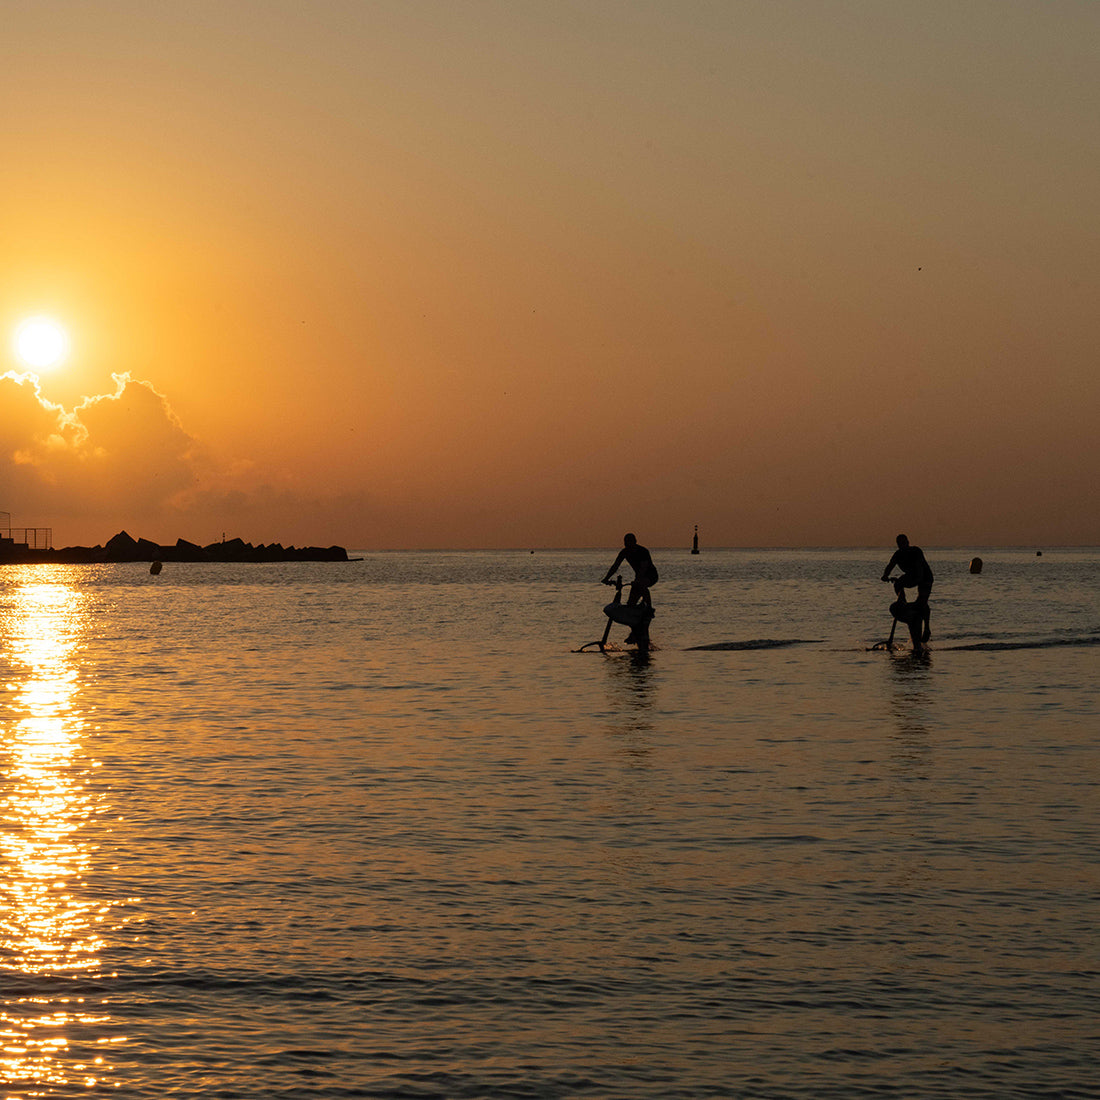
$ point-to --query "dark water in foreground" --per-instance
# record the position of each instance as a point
(372, 829)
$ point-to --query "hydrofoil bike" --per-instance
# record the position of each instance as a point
(636, 616)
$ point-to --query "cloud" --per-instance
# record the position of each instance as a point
(30, 426)
(135, 446)
(123, 460)
(120, 453)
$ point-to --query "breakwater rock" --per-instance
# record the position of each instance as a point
(123, 547)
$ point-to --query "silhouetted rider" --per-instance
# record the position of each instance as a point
(645, 572)
(915, 573)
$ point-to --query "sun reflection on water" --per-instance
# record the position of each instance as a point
(48, 923)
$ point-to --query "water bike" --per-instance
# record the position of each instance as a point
(636, 616)
(915, 616)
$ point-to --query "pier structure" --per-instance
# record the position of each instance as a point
(13, 539)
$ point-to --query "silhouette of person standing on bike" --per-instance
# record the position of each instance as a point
(645, 572)
(915, 573)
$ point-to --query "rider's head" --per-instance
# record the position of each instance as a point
(629, 540)
(903, 541)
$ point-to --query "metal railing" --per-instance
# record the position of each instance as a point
(28, 538)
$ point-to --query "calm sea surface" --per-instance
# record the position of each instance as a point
(374, 829)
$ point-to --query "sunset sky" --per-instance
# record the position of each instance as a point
(500, 273)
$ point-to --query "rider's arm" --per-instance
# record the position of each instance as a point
(893, 562)
(614, 565)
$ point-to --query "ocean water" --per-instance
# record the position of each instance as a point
(375, 829)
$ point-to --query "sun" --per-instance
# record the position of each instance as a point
(41, 342)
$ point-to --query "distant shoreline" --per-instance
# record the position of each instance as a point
(123, 548)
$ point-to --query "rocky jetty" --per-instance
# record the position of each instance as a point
(123, 547)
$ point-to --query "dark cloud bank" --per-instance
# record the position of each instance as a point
(124, 460)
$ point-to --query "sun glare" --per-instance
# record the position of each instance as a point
(41, 342)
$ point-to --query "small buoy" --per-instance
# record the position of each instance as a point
(975, 565)
(155, 568)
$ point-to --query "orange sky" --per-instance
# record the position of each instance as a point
(410, 274)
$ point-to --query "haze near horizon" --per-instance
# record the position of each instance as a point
(400, 274)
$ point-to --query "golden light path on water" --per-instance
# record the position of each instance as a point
(48, 924)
